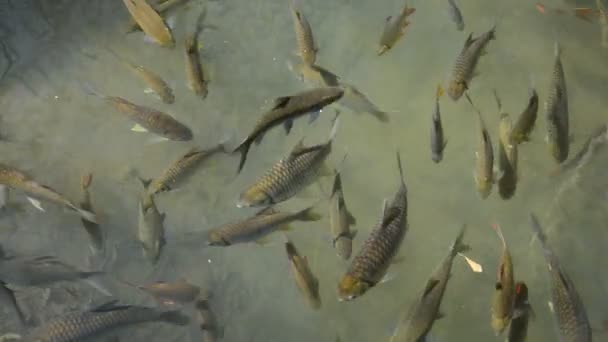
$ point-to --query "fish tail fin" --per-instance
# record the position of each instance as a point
(334, 127)
(400, 166)
(86, 214)
(89, 89)
(243, 149)
(174, 317)
(458, 246)
(93, 280)
(309, 214)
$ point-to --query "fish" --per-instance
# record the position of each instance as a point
(7, 298)
(597, 138)
(419, 319)
(567, 306)
(285, 110)
(484, 158)
(504, 293)
(258, 227)
(518, 330)
(96, 238)
(154, 81)
(146, 119)
(79, 325)
(394, 29)
(4, 192)
(150, 22)
(466, 63)
(370, 264)
(304, 37)
(314, 75)
(455, 14)
(290, 175)
(194, 69)
(525, 122)
(207, 321)
(340, 220)
(181, 169)
(507, 155)
(150, 228)
(17, 179)
(40, 271)
(306, 281)
(438, 141)
(177, 292)
(161, 8)
(557, 112)
(357, 102)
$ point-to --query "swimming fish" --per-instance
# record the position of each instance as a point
(418, 321)
(161, 8)
(17, 179)
(507, 155)
(394, 29)
(256, 228)
(150, 229)
(438, 141)
(207, 321)
(306, 281)
(93, 230)
(518, 330)
(169, 293)
(484, 158)
(597, 138)
(340, 220)
(150, 22)
(194, 69)
(567, 305)
(76, 326)
(466, 63)
(455, 14)
(286, 109)
(155, 82)
(504, 293)
(556, 112)
(526, 120)
(370, 264)
(306, 43)
(290, 175)
(146, 119)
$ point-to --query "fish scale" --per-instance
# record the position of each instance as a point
(557, 114)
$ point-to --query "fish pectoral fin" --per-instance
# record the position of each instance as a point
(281, 102)
(387, 277)
(397, 260)
(36, 203)
(352, 220)
(288, 125)
(138, 128)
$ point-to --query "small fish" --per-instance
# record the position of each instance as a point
(155, 82)
(293, 173)
(466, 63)
(285, 110)
(177, 292)
(597, 138)
(7, 298)
(161, 8)
(357, 102)
(207, 321)
(93, 230)
(438, 141)
(306, 43)
(484, 156)
(76, 326)
(340, 220)
(518, 330)
(455, 15)
(256, 228)
(17, 179)
(507, 156)
(150, 231)
(556, 112)
(306, 281)
(39, 271)
(419, 320)
(194, 69)
(525, 122)
(369, 266)
(504, 294)
(567, 305)
(146, 119)
(150, 22)
(180, 170)
(394, 29)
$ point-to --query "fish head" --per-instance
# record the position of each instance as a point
(216, 239)
(521, 290)
(351, 288)
(456, 88)
(254, 197)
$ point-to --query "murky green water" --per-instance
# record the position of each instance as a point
(56, 132)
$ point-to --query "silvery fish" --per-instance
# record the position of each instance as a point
(369, 266)
(340, 220)
(150, 22)
(394, 29)
(507, 156)
(150, 231)
(455, 15)
(438, 141)
(556, 112)
(306, 43)
(525, 122)
(504, 293)
(598, 138)
(307, 282)
(194, 69)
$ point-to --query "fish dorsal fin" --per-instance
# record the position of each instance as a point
(110, 306)
(337, 183)
(469, 41)
(281, 102)
(430, 285)
(266, 211)
(300, 149)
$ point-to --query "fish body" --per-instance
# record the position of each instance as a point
(306, 43)
(7, 298)
(17, 179)
(179, 291)
(76, 326)
(258, 227)
(421, 317)
(394, 29)
(39, 271)
(194, 70)
(93, 229)
(150, 232)
(455, 14)
(155, 82)
(525, 122)
(557, 113)
(466, 63)
(504, 291)
(507, 158)
(150, 22)
(290, 175)
(285, 110)
(307, 282)
(370, 264)
(161, 8)
(568, 307)
(340, 220)
(518, 330)
(207, 321)
(438, 141)
(484, 164)
(181, 169)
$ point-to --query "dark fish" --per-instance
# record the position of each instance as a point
(504, 293)
(394, 29)
(7, 298)
(567, 305)
(194, 69)
(306, 43)
(93, 230)
(290, 175)
(596, 139)
(464, 68)
(455, 15)
(438, 141)
(340, 220)
(39, 271)
(307, 282)
(484, 158)
(556, 112)
(76, 326)
(150, 231)
(507, 155)
(207, 321)
(518, 330)
(369, 266)
(525, 122)
(419, 320)
(285, 110)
